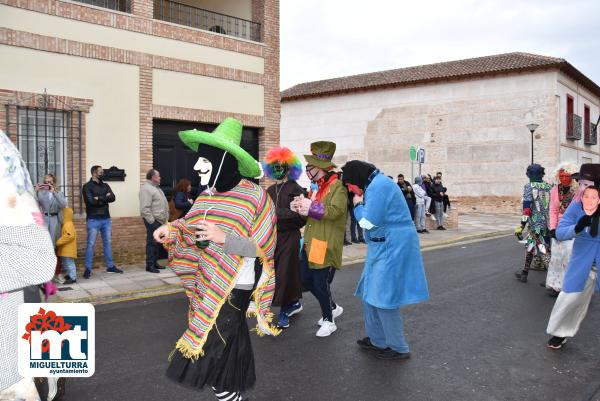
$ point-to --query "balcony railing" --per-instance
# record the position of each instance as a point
(591, 138)
(170, 11)
(117, 5)
(573, 126)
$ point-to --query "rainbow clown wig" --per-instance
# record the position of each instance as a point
(281, 160)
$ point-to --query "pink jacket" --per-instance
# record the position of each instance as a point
(555, 214)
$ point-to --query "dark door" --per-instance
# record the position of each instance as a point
(174, 160)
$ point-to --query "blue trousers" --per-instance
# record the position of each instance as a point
(385, 328)
(68, 266)
(104, 227)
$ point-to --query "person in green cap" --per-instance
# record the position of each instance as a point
(213, 249)
(326, 210)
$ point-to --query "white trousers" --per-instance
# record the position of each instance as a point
(570, 309)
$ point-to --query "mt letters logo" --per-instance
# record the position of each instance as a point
(56, 340)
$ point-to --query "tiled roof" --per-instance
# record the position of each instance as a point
(451, 70)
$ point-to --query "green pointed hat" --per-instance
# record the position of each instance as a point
(227, 136)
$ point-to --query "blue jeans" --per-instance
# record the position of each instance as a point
(104, 226)
(385, 328)
(69, 268)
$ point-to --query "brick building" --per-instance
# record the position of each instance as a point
(110, 82)
(470, 116)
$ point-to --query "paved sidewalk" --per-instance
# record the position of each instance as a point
(136, 283)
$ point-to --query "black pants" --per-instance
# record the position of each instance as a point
(317, 281)
(152, 247)
(411, 207)
(446, 202)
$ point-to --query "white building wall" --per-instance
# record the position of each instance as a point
(474, 131)
(571, 150)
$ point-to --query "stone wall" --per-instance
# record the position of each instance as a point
(482, 145)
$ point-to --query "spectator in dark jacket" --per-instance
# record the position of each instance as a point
(437, 196)
(182, 197)
(97, 195)
(447, 204)
(408, 193)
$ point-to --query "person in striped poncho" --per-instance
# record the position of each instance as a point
(214, 249)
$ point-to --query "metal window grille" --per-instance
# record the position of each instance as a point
(50, 141)
(574, 126)
(183, 14)
(117, 5)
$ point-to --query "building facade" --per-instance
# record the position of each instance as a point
(110, 82)
(470, 116)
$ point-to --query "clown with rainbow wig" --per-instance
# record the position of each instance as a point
(282, 165)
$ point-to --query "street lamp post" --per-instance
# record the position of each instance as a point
(532, 127)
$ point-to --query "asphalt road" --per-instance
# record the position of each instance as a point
(481, 336)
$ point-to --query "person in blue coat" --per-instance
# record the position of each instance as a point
(393, 275)
(580, 222)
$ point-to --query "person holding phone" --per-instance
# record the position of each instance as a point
(51, 202)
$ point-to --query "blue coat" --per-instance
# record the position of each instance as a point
(586, 249)
(393, 274)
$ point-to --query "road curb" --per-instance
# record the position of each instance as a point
(128, 296)
(447, 243)
(176, 288)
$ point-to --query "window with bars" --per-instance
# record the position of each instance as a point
(42, 142)
(50, 141)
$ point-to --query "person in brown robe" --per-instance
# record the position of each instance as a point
(282, 165)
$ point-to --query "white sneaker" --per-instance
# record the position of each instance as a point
(334, 312)
(432, 217)
(326, 329)
(445, 215)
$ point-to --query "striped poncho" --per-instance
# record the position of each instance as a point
(208, 275)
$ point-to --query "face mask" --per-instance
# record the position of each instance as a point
(564, 178)
(204, 169)
(279, 171)
(312, 173)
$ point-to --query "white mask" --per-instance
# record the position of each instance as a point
(204, 168)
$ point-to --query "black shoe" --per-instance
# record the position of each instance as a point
(355, 241)
(87, 274)
(522, 276)
(159, 267)
(366, 343)
(346, 243)
(114, 269)
(362, 241)
(420, 231)
(69, 280)
(552, 292)
(556, 342)
(152, 269)
(390, 354)
(442, 228)
(425, 231)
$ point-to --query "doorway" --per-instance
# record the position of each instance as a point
(174, 160)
